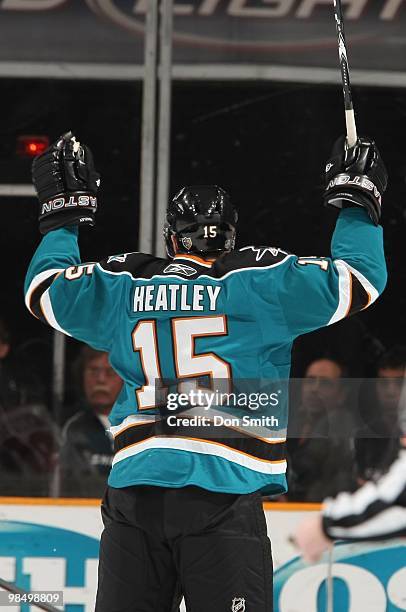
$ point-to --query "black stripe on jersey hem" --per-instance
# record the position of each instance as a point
(249, 445)
(360, 297)
(35, 299)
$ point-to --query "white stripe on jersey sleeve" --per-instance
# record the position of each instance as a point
(345, 289)
(344, 292)
(369, 288)
(48, 312)
(389, 521)
(36, 281)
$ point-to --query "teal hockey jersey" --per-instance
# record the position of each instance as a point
(188, 319)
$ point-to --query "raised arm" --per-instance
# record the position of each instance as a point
(316, 292)
(79, 299)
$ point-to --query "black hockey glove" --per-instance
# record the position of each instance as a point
(356, 176)
(66, 183)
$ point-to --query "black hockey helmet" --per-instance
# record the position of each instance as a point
(202, 219)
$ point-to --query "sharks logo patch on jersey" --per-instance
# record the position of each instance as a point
(261, 251)
(119, 258)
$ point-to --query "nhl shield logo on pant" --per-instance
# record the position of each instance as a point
(238, 604)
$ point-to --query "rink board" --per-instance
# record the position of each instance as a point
(53, 545)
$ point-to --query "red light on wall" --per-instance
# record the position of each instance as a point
(30, 146)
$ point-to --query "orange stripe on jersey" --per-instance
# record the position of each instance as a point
(196, 258)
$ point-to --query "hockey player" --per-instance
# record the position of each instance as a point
(377, 511)
(182, 511)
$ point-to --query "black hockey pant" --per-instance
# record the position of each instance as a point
(160, 544)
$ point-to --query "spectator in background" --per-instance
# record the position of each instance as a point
(378, 441)
(87, 451)
(321, 429)
(323, 408)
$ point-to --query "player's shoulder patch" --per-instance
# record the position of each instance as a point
(267, 254)
(136, 265)
(251, 257)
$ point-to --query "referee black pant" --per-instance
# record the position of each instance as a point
(162, 544)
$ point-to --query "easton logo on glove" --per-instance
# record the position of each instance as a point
(69, 202)
(362, 182)
(66, 182)
(356, 176)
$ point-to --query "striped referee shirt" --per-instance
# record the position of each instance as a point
(376, 511)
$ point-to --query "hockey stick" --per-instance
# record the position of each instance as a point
(329, 582)
(345, 76)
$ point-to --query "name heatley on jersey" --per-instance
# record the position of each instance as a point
(175, 297)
